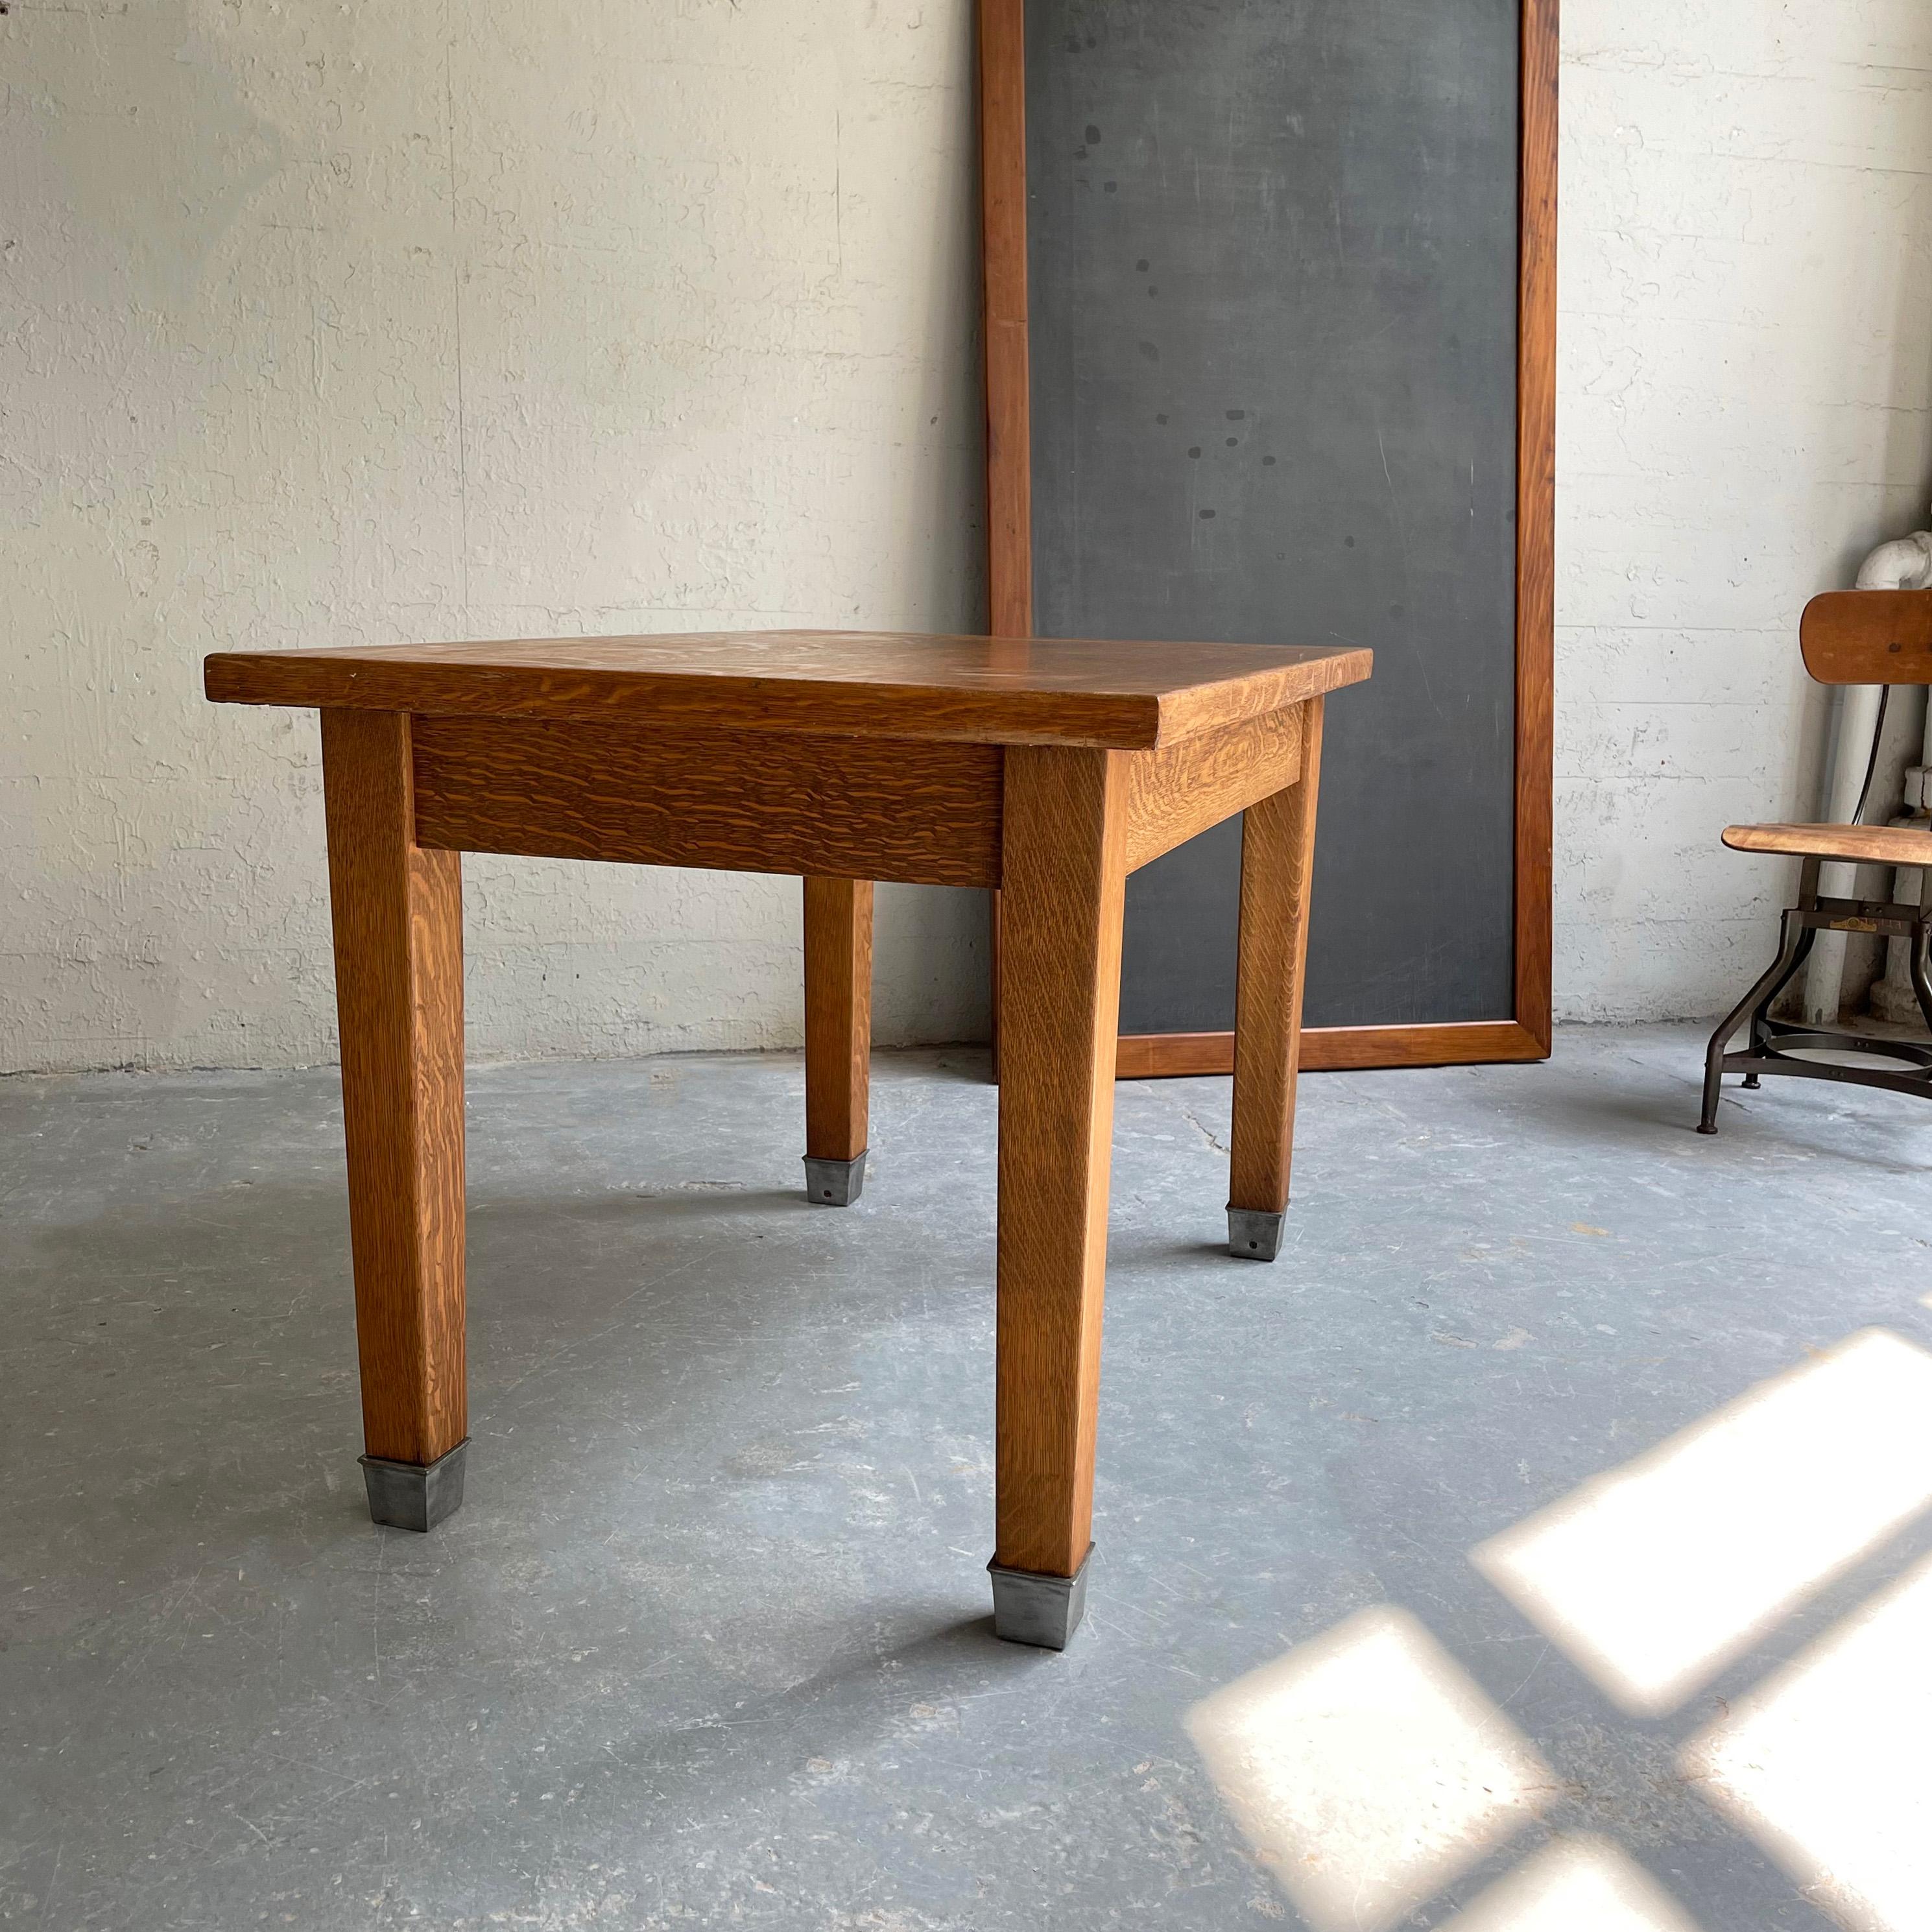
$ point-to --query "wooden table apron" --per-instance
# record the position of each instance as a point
(1057, 827)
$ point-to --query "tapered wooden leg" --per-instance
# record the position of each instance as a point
(398, 919)
(1277, 858)
(1060, 972)
(838, 1036)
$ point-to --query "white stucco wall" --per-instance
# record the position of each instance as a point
(332, 325)
(338, 324)
(1745, 351)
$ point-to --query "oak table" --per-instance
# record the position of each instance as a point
(1049, 769)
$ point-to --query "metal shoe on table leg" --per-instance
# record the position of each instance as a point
(1254, 1235)
(414, 1496)
(1041, 1610)
(834, 1183)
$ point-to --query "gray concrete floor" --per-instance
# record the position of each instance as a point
(708, 1641)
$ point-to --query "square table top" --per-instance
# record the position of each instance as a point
(889, 684)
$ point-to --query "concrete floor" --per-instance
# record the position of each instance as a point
(708, 1641)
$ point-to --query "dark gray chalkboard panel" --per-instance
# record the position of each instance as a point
(1271, 306)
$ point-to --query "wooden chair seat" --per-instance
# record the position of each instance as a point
(1865, 845)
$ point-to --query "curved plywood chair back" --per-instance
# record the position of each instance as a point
(1868, 636)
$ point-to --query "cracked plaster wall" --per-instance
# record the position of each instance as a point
(335, 324)
(327, 324)
(1745, 371)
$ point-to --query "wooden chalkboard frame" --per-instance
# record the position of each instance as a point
(1525, 1034)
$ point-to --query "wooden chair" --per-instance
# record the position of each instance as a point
(1849, 637)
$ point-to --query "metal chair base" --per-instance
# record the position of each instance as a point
(1775, 1044)
(1778, 1056)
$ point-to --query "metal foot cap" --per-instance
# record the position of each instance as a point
(1253, 1234)
(414, 1496)
(834, 1183)
(1031, 1607)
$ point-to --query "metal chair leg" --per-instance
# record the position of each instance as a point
(1760, 1032)
(1921, 971)
(1793, 946)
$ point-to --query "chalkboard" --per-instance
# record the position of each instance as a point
(1272, 279)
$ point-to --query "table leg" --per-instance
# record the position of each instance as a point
(398, 918)
(1277, 854)
(1063, 869)
(838, 1036)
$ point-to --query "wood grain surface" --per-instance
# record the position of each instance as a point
(1161, 1056)
(1868, 636)
(1060, 967)
(852, 807)
(1866, 845)
(888, 684)
(1277, 867)
(397, 913)
(1002, 51)
(1536, 522)
(1183, 789)
(838, 1015)
(1002, 221)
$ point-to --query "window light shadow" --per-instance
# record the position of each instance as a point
(1367, 1770)
(1575, 1885)
(1827, 1765)
(1655, 1577)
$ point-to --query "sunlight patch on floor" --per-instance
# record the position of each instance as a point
(1367, 1769)
(1654, 1577)
(1828, 1764)
(1575, 1884)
